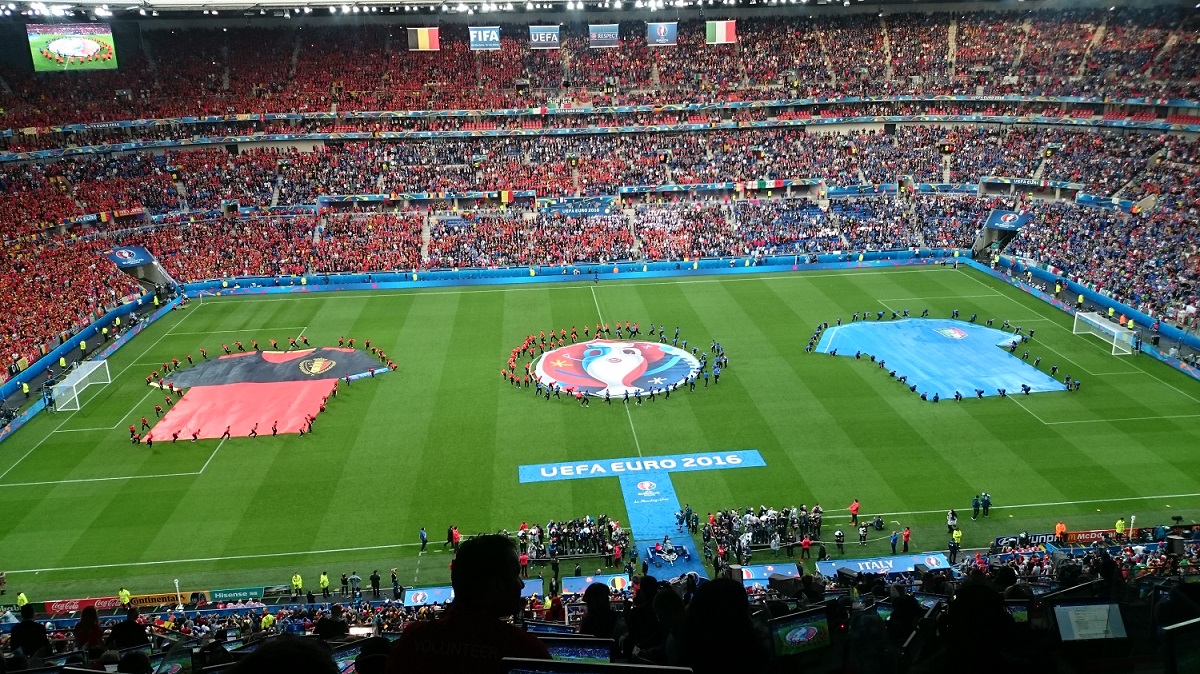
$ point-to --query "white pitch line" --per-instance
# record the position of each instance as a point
(95, 479)
(393, 546)
(950, 297)
(1097, 421)
(210, 457)
(198, 560)
(636, 443)
(1056, 504)
(1031, 412)
(39, 444)
(229, 332)
(575, 285)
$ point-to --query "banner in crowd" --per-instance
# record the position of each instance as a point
(423, 39)
(237, 594)
(129, 256)
(604, 35)
(1031, 182)
(484, 38)
(167, 597)
(1089, 537)
(423, 596)
(543, 37)
(1009, 221)
(577, 584)
(897, 564)
(579, 206)
(1030, 539)
(662, 34)
(720, 32)
(765, 571)
(72, 605)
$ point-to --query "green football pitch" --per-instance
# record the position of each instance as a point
(439, 441)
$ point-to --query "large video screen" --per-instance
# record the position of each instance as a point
(63, 47)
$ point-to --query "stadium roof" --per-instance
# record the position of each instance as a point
(102, 9)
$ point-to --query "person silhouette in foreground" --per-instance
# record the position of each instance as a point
(470, 637)
(286, 654)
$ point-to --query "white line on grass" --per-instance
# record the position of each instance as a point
(1098, 421)
(229, 332)
(119, 421)
(393, 546)
(39, 444)
(1031, 412)
(949, 297)
(636, 442)
(114, 479)
(96, 479)
(210, 456)
(574, 285)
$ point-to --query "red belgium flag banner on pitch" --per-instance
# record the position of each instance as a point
(423, 39)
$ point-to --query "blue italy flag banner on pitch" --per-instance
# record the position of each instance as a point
(1009, 221)
(661, 34)
(543, 37)
(484, 38)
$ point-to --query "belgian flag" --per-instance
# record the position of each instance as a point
(423, 39)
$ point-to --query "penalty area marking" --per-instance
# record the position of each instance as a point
(113, 479)
(230, 332)
(1099, 421)
(394, 546)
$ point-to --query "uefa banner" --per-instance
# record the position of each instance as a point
(1007, 220)
(661, 34)
(129, 256)
(577, 207)
(484, 38)
(543, 37)
(604, 35)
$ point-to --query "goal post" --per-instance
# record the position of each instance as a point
(1123, 340)
(86, 373)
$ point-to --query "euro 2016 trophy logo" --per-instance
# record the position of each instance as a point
(616, 367)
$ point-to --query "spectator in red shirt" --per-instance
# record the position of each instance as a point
(470, 637)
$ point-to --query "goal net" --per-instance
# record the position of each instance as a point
(86, 373)
(1123, 340)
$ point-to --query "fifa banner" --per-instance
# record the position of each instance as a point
(604, 35)
(423, 39)
(1009, 221)
(485, 38)
(661, 34)
(577, 207)
(720, 32)
(129, 256)
(543, 37)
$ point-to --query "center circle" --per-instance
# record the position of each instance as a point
(79, 47)
(616, 367)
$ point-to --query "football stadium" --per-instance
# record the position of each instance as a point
(600, 336)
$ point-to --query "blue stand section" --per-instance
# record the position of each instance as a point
(651, 503)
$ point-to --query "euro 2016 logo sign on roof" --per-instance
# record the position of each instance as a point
(616, 367)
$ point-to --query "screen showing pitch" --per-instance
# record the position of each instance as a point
(61, 47)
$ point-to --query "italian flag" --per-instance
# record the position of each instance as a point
(423, 39)
(720, 32)
(768, 184)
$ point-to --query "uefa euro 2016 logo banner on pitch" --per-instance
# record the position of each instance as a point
(484, 38)
(616, 367)
(661, 34)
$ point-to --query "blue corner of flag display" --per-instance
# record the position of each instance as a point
(942, 356)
